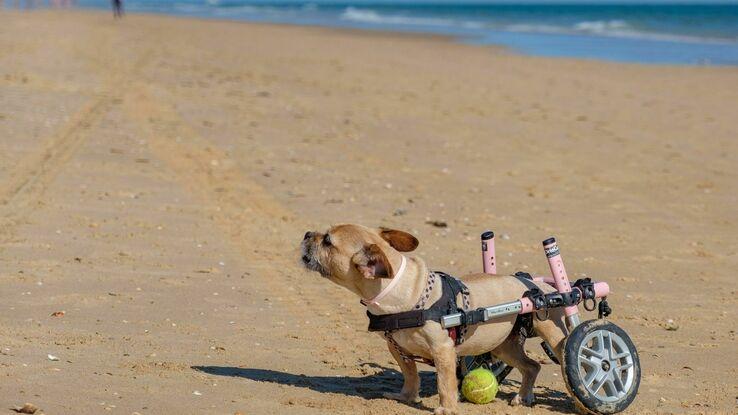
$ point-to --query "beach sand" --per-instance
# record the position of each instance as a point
(157, 175)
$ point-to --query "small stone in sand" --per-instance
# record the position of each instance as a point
(670, 325)
(437, 223)
(52, 358)
(28, 408)
(58, 314)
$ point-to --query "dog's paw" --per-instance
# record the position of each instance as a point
(520, 400)
(402, 397)
(445, 411)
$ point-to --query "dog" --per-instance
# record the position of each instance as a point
(371, 263)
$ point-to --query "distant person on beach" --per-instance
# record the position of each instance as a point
(117, 8)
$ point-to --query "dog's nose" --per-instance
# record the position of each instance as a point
(308, 235)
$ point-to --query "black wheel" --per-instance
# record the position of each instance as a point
(487, 361)
(601, 367)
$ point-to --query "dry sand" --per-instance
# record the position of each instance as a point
(157, 174)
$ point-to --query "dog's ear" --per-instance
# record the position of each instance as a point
(373, 263)
(401, 241)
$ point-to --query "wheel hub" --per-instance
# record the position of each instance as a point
(606, 364)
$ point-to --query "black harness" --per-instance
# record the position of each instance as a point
(450, 289)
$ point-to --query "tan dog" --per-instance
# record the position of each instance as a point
(365, 261)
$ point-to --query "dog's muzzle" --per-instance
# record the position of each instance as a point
(308, 257)
(305, 257)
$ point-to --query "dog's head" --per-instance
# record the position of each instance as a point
(347, 253)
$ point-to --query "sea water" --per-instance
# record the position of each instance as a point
(658, 33)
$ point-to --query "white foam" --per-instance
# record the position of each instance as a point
(371, 16)
(614, 28)
(611, 28)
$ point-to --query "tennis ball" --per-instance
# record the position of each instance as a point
(479, 386)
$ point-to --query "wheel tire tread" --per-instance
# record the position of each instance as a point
(570, 369)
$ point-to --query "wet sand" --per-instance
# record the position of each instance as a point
(157, 175)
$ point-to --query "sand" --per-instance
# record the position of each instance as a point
(157, 175)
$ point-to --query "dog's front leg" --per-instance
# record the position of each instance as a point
(411, 381)
(444, 357)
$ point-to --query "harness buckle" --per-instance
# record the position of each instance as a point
(539, 300)
(473, 317)
(537, 297)
(586, 286)
(604, 309)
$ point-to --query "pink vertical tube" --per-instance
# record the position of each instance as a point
(489, 262)
(561, 281)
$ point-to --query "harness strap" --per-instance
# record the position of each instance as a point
(405, 355)
(450, 289)
(397, 321)
(446, 304)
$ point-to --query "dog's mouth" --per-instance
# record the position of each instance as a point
(310, 262)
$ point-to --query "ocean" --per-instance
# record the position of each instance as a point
(692, 34)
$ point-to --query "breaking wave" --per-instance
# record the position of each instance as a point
(371, 16)
(606, 28)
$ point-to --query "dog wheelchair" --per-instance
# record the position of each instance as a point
(601, 368)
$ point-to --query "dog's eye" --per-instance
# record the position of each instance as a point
(327, 240)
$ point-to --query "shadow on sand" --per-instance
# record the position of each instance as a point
(551, 399)
(373, 386)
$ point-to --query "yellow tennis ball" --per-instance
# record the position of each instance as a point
(479, 386)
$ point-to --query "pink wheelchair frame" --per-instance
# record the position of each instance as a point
(600, 364)
(525, 305)
(560, 280)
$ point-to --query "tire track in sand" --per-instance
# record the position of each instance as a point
(23, 190)
(25, 187)
(266, 233)
(262, 229)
